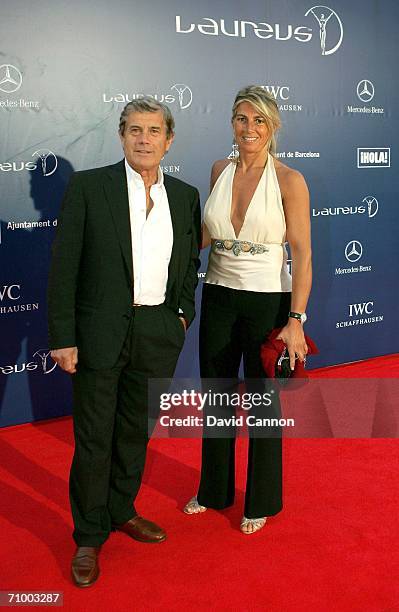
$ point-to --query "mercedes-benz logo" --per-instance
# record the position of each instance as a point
(353, 251)
(372, 205)
(10, 78)
(185, 94)
(45, 155)
(365, 90)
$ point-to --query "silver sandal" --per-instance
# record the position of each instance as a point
(193, 507)
(256, 524)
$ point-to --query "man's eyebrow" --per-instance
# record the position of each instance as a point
(152, 127)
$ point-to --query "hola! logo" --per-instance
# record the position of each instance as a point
(323, 15)
(46, 158)
(377, 157)
(10, 78)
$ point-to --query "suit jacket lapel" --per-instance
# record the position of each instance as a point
(178, 228)
(117, 196)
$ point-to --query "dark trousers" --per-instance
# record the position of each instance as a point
(110, 417)
(234, 324)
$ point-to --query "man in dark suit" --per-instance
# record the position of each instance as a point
(121, 295)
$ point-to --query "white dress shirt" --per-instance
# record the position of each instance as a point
(152, 238)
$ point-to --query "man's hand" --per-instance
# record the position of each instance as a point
(67, 358)
(183, 320)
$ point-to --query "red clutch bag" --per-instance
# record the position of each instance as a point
(275, 358)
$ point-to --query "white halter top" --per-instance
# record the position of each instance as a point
(255, 260)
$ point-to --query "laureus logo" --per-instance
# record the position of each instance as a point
(181, 94)
(48, 160)
(10, 78)
(45, 360)
(331, 31)
(185, 95)
(41, 361)
(372, 206)
(324, 15)
(45, 159)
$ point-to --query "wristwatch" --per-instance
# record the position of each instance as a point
(301, 316)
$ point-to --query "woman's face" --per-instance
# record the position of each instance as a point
(251, 131)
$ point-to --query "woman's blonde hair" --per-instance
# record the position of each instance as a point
(266, 106)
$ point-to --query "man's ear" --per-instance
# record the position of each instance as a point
(169, 141)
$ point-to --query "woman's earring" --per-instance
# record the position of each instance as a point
(235, 153)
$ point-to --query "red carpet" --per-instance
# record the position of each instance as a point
(334, 547)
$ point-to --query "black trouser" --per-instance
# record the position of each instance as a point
(110, 417)
(234, 324)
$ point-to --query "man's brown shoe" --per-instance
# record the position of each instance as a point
(85, 569)
(142, 530)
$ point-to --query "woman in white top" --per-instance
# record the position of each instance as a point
(256, 205)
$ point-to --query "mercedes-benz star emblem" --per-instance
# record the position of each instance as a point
(10, 78)
(353, 251)
(365, 90)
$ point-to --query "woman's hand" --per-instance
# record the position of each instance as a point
(294, 338)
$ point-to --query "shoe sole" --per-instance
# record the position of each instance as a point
(83, 586)
(144, 541)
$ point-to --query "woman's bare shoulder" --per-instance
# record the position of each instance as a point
(217, 169)
(288, 178)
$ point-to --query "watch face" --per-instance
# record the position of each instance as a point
(304, 318)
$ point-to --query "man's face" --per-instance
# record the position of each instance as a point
(144, 140)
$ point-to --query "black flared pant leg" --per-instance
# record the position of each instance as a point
(233, 325)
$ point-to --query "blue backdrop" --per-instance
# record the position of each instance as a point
(68, 68)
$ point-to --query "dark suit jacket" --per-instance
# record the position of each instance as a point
(90, 291)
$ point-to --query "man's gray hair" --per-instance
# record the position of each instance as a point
(147, 104)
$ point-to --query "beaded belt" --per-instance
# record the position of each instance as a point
(240, 246)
